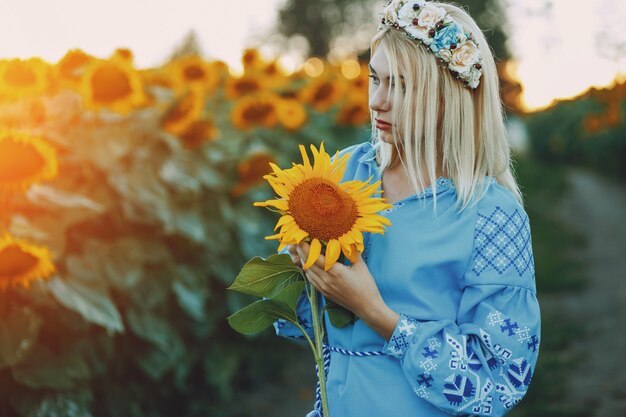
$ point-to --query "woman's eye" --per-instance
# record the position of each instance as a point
(373, 77)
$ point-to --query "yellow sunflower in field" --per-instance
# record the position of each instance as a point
(23, 78)
(259, 110)
(291, 114)
(193, 71)
(21, 262)
(315, 205)
(124, 54)
(251, 172)
(251, 60)
(183, 112)
(24, 160)
(354, 112)
(322, 93)
(70, 69)
(237, 87)
(198, 133)
(112, 84)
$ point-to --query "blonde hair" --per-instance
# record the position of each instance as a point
(470, 123)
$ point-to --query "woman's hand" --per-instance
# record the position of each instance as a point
(353, 287)
(295, 257)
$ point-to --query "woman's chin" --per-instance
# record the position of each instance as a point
(385, 136)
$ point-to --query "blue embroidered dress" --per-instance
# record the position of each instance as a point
(464, 286)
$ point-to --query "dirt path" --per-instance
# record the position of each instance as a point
(597, 207)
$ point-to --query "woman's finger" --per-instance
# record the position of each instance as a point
(293, 252)
(316, 281)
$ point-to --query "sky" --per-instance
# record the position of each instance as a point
(556, 48)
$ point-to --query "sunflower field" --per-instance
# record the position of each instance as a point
(126, 210)
(587, 130)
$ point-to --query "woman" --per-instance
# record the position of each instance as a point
(449, 322)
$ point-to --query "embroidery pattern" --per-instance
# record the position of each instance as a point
(399, 342)
(503, 241)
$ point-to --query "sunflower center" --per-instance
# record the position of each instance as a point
(18, 160)
(257, 112)
(197, 132)
(322, 209)
(110, 84)
(14, 261)
(323, 92)
(193, 73)
(20, 75)
(181, 109)
(253, 169)
(246, 87)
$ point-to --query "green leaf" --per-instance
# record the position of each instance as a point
(290, 295)
(154, 328)
(260, 315)
(18, 333)
(338, 315)
(266, 278)
(45, 369)
(92, 303)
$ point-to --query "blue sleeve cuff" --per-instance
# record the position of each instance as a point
(405, 331)
(286, 329)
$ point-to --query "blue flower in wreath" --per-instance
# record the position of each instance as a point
(445, 37)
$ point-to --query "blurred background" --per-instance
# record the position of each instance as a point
(133, 141)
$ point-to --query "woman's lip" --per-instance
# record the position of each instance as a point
(382, 125)
(378, 121)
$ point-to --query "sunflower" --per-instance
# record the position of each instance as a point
(291, 114)
(124, 54)
(70, 69)
(23, 78)
(251, 172)
(112, 84)
(254, 111)
(322, 93)
(24, 160)
(242, 86)
(251, 60)
(354, 112)
(198, 133)
(316, 207)
(157, 77)
(193, 71)
(358, 84)
(183, 112)
(21, 262)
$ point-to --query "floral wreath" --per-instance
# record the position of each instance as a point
(437, 30)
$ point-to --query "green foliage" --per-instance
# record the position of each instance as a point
(267, 278)
(589, 131)
(322, 22)
(339, 316)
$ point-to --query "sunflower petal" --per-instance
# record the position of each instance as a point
(300, 235)
(314, 253)
(333, 250)
(284, 220)
(305, 159)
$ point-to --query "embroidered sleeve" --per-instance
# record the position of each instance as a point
(482, 362)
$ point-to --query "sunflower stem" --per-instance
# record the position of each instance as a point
(318, 329)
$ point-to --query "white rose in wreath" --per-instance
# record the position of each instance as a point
(409, 16)
(464, 57)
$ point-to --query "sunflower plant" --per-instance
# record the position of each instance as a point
(331, 215)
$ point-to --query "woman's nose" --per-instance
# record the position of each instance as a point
(378, 100)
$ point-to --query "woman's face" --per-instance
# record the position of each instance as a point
(380, 86)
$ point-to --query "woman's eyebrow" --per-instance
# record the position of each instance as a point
(374, 71)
